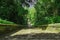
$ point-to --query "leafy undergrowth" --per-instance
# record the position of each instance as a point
(5, 22)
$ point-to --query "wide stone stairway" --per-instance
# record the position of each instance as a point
(33, 34)
(41, 36)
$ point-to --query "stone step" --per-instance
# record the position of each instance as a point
(41, 36)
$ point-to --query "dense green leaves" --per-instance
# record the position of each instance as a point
(12, 10)
(47, 11)
(43, 12)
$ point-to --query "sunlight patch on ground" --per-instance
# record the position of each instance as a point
(34, 31)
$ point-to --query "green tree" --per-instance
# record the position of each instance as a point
(44, 10)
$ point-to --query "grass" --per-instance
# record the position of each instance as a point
(5, 22)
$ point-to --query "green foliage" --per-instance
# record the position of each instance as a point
(57, 19)
(31, 15)
(47, 12)
(5, 22)
(12, 10)
(22, 13)
(44, 12)
(6, 8)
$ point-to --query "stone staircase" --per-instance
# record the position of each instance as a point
(41, 36)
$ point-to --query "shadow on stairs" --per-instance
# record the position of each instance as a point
(41, 36)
